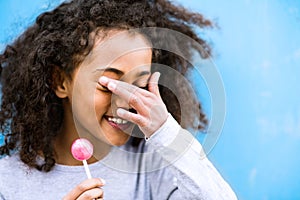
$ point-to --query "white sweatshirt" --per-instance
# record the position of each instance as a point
(169, 165)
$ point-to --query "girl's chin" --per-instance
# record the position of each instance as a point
(119, 141)
(114, 135)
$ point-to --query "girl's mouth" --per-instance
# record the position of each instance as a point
(118, 123)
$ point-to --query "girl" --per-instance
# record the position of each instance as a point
(87, 69)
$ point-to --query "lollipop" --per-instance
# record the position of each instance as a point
(82, 150)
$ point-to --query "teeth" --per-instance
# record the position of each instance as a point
(117, 120)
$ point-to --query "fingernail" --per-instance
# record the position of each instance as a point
(120, 112)
(111, 86)
(103, 80)
(102, 181)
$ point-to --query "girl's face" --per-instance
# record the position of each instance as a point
(120, 55)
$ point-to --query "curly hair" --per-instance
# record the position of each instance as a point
(31, 114)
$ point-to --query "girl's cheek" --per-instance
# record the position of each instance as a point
(102, 99)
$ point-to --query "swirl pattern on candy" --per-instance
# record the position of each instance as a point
(82, 149)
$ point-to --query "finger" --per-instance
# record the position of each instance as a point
(84, 186)
(130, 93)
(94, 193)
(153, 83)
(135, 118)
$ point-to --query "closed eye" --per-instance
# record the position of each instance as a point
(103, 88)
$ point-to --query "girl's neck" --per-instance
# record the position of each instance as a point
(63, 155)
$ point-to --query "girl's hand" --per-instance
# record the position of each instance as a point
(88, 189)
(151, 110)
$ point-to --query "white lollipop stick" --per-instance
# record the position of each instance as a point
(87, 169)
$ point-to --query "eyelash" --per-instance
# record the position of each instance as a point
(145, 87)
(105, 89)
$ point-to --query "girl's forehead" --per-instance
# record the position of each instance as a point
(121, 42)
(115, 45)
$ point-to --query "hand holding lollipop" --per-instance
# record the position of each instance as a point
(82, 150)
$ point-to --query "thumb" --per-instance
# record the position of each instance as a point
(153, 84)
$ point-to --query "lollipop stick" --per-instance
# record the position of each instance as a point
(87, 170)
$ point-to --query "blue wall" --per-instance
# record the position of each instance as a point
(257, 51)
(258, 54)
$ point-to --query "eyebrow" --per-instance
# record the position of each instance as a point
(143, 73)
(114, 70)
(120, 73)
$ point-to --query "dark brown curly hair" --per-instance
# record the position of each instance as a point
(31, 114)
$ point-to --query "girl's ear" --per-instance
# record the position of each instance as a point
(60, 83)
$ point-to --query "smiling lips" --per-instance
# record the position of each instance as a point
(118, 123)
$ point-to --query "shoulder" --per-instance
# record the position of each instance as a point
(16, 178)
(9, 162)
(11, 168)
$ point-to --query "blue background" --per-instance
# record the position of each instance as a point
(257, 51)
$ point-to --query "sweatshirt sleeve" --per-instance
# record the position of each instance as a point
(193, 174)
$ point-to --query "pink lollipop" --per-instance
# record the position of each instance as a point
(82, 150)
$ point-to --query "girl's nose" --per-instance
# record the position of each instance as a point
(121, 103)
